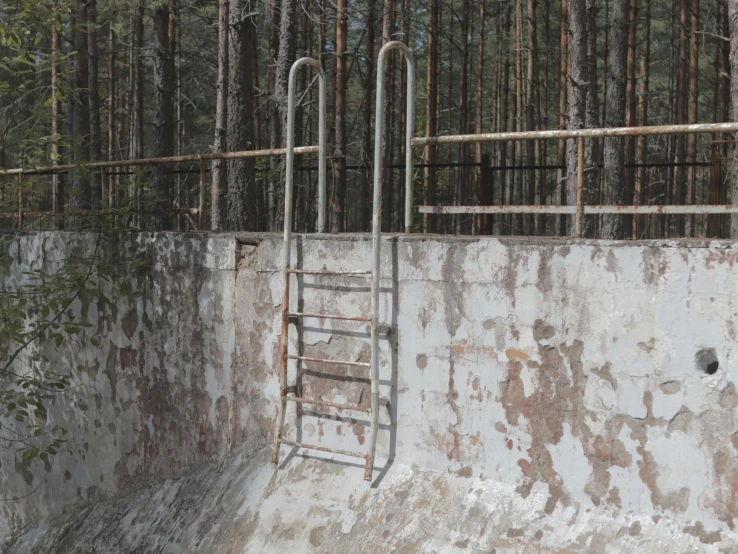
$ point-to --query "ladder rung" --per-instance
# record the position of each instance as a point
(337, 362)
(329, 316)
(329, 404)
(313, 272)
(323, 449)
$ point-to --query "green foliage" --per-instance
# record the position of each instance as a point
(37, 325)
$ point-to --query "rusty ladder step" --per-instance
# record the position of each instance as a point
(323, 449)
(328, 404)
(321, 360)
(330, 316)
(315, 272)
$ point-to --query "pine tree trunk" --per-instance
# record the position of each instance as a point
(681, 98)
(275, 139)
(630, 116)
(80, 197)
(614, 149)
(365, 195)
(484, 222)
(577, 92)
(642, 184)
(591, 120)
(559, 197)
(506, 179)
(338, 201)
(463, 111)
(518, 193)
(532, 187)
(241, 201)
(219, 176)
(693, 103)
(163, 116)
(285, 58)
(733, 23)
(96, 191)
(56, 115)
(431, 115)
(138, 106)
(388, 29)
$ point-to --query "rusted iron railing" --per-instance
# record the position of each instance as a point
(20, 214)
(580, 209)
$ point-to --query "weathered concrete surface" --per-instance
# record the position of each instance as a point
(546, 396)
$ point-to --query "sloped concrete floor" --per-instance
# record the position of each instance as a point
(316, 506)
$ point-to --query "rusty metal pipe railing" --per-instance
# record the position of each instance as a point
(581, 133)
(287, 246)
(168, 160)
(579, 210)
(709, 209)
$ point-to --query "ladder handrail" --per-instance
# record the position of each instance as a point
(377, 219)
(287, 247)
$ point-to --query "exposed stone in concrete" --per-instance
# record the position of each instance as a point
(545, 395)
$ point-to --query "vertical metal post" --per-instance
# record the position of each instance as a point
(287, 246)
(409, 129)
(580, 187)
(20, 201)
(201, 199)
(377, 230)
(323, 148)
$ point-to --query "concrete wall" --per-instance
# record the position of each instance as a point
(578, 376)
(155, 397)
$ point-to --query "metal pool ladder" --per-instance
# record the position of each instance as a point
(289, 393)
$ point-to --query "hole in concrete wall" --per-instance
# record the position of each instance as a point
(707, 361)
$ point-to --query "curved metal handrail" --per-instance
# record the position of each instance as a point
(377, 211)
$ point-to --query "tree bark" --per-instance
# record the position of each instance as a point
(388, 29)
(559, 196)
(532, 187)
(220, 167)
(505, 177)
(591, 120)
(693, 116)
(338, 201)
(96, 191)
(365, 196)
(642, 184)
(431, 115)
(733, 23)
(138, 107)
(681, 98)
(484, 222)
(80, 197)
(631, 119)
(614, 153)
(463, 113)
(285, 58)
(163, 115)
(241, 201)
(577, 92)
(56, 114)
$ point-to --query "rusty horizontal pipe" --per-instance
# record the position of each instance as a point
(588, 210)
(159, 161)
(99, 213)
(583, 133)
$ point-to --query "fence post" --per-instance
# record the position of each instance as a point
(20, 201)
(580, 187)
(201, 200)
